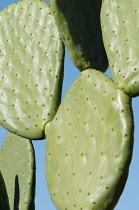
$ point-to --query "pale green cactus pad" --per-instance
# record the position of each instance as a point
(4, 203)
(89, 145)
(17, 166)
(79, 26)
(120, 23)
(31, 68)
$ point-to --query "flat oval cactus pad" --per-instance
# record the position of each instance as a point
(120, 24)
(78, 23)
(17, 166)
(89, 145)
(31, 68)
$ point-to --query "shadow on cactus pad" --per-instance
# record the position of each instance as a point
(4, 202)
(17, 166)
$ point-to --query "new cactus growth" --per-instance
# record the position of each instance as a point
(120, 25)
(31, 68)
(17, 166)
(79, 26)
(88, 153)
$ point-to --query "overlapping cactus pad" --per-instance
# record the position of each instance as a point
(31, 68)
(79, 26)
(120, 23)
(89, 145)
(17, 166)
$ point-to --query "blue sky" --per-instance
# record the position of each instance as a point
(129, 198)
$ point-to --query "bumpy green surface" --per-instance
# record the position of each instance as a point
(79, 26)
(89, 145)
(4, 203)
(31, 68)
(120, 23)
(17, 166)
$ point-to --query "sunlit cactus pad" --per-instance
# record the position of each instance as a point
(31, 68)
(17, 165)
(89, 145)
(120, 23)
(79, 26)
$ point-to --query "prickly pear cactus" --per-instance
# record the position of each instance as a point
(4, 203)
(17, 166)
(79, 26)
(31, 68)
(89, 145)
(120, 23)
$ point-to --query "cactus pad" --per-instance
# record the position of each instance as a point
(120, 23)
(89, 145)
(31, 68)
(17, 166)
(79, 26)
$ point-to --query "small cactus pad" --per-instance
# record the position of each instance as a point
(89, 145)
(31, 68)
(79, 26)
(4, 203)
(120, 23)
(17, 166)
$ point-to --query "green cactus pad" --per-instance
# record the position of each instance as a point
(31, 68)
(17, 165)
(79, 26)
(89, 145)
(120, 23)
(4, 203)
